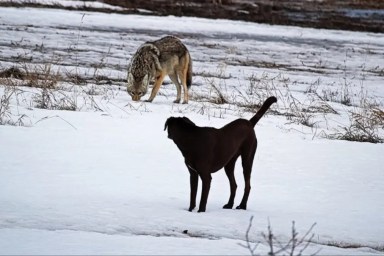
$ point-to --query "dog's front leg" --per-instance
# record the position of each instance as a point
(229, 170)
(194, 180)
(206, 180)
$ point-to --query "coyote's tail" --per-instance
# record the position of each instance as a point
(262, 110)
(189, 71)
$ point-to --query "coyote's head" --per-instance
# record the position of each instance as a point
(137, 86)
(142, 70)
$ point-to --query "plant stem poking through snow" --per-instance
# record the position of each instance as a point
(295, 246)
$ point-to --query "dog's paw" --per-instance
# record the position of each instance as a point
(228, 206)
(241, 207)
(201, 210)
(191, 207)
(148, 100)
(176, 101)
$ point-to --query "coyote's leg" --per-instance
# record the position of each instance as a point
(183, 78)
(175, 80)
(159, 80)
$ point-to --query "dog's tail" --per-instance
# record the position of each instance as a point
(262, 110)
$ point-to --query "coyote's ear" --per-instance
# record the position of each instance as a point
(155, 50)
(146, 80)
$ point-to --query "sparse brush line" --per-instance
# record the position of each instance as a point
(206, 74)
(350, 245)
(43, 76)
(363, 125)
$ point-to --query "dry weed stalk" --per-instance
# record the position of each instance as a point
(6, 115)
(365, 122)
(363, 127)
(295, 246)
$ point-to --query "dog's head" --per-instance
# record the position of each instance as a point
(175, 125)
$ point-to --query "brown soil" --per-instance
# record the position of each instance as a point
(355, 15)
(358, 15)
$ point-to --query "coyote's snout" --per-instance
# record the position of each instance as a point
(154, 61)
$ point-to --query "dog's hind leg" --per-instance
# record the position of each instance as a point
(229, 170)
(206, 180)
(247, 189)
(247, 161)
(194, 180)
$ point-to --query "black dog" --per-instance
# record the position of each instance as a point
(206, 150)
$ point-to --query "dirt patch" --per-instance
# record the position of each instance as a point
(354, 15)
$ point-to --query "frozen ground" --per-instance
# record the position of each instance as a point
(64, 4)
(104, 179)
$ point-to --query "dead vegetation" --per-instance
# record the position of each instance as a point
(348, 245)
(366, 120)
(364, 125)
(296, 245)
(57, 87)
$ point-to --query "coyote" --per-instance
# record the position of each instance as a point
(206, 150)
(154, 60)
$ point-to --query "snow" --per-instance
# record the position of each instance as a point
(111, 182)
(66, 3)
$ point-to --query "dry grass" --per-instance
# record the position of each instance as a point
(6, 115)
(363, 127)
(347, 245)
(295, 246)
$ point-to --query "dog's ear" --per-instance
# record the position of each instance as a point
(166, 124)
(188, 121)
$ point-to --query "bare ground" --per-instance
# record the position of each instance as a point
(355, 15)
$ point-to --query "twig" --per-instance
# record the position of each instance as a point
(49, 117)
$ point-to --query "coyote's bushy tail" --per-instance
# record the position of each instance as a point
(189, 72)
(262, 110)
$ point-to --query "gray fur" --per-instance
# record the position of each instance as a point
(153, 61)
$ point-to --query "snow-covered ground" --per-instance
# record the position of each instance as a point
(65, 3)
(105, 179)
